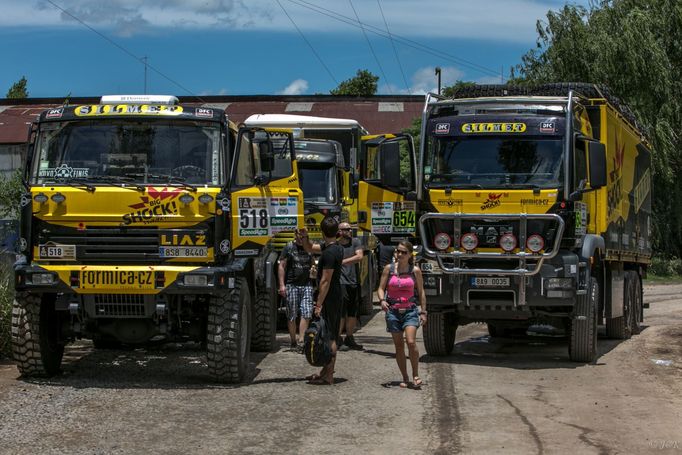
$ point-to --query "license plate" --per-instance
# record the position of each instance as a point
(489, 281)
(182, 251)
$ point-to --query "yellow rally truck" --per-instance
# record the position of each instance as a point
(332, 154)
(145, 220)
(535, 209)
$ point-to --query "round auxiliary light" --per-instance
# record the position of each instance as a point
(205, 198)
(535, 243)
(508, 242)
(58, 198)
(442, 241)
(469, 241)
(186, 198)
(40, 198)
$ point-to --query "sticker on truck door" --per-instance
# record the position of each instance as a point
(265, 216)
(393, 217)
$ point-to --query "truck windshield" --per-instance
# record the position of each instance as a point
(493, 162)
(318, 184)
(139, 151)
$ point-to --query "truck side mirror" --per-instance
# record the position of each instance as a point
(352, 186)
(597, 161)
(389, 164)
(265, 151)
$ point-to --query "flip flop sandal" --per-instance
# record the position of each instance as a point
(403, 385)
(320, 381)
(313, 377)
(417, 381)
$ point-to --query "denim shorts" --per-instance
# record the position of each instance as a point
(397, 321)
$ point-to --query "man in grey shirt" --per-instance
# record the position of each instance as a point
(352, 255)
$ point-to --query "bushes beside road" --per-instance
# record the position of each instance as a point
(6, 298)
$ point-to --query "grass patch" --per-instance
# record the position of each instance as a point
(6, 299)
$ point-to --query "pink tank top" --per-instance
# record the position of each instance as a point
(401, 288)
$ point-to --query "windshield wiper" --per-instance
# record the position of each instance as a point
(79, 183)
(169, 179)
(118, 181)
(520, 185)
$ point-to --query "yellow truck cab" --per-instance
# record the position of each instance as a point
(535, 214)
(144, 219)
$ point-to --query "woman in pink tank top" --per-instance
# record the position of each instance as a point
(402, 296)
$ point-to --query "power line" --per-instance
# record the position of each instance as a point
(405, 41)
(370, 46)
(308, 43)
(407, 86)
(142, 60)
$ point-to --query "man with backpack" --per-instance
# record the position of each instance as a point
(296, 287)
(328, 305)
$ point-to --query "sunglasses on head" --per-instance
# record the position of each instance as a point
(403, 252)
(344, 229)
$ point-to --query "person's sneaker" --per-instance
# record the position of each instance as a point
(293, 346)
(342, 346)
(351, 344)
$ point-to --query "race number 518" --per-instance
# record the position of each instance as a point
(253, 218)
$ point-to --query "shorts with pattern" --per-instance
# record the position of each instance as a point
(299, 301)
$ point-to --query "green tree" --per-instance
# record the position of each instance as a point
(11, 189)
(633, 47)
(363, 84)
(450, 90)
(18, 89)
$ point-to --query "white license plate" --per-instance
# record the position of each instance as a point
(489, 281)
(183, 251)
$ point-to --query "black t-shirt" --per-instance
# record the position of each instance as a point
(297, 270)
(349, 273)
(331, 258)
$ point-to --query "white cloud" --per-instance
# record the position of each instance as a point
(297, 87)
(509, 20)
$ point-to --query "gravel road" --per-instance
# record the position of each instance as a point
(490, 396)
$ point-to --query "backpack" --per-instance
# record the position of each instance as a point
(316, 347)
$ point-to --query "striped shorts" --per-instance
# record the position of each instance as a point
(299, 299)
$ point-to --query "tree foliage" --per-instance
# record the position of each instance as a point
(363, 84)
(18, 89)
(635, 48)
(11, 189)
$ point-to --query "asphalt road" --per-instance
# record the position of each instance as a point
(490, 396)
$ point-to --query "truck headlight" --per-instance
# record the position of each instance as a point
(469, 241)
(508, 242)
(442, 241)
(42, 279)
(535, 243)
(195, 280)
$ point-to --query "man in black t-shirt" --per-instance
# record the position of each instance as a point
(296, 287)
(352, 255)
(328, 304)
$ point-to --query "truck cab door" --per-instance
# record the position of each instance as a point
(386, 190)
(265, 189)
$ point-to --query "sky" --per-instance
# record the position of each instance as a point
(260, 47)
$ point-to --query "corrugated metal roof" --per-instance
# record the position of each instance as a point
(378, 114)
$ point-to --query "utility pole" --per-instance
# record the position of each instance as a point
(438, 74)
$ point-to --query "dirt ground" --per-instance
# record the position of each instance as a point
(490, 396)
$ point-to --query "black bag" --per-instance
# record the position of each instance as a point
(318, 351)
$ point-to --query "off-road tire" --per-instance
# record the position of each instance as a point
(620, 328)
(36, 343)
(263, 335)
(637, 316)
(439, 334)
(228, 337)
(367, 300)
(582, 341)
